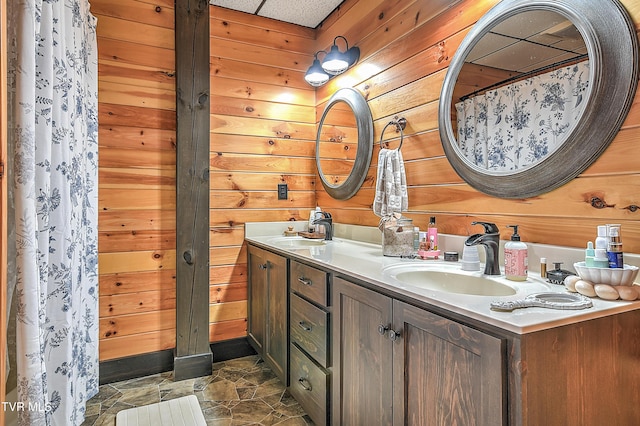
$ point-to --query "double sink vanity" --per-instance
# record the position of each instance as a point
(360, 338)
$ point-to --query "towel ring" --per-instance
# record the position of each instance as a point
(400, 124)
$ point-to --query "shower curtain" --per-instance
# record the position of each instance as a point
(516, 125)
(54, 136)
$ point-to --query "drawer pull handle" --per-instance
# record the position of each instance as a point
(382, 329)
(303, 325)
(305, 281)
(263, 266)
(395, 335)
(302, 382)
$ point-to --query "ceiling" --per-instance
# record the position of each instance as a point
(529, 41)
(307, 13)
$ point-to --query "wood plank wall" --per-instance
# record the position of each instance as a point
(136, 176)
(405, 51)
(262, 134)
(263, 124)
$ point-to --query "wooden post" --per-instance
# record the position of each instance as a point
(193, 357)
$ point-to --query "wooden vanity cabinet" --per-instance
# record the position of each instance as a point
(309, 335)
(268, 295)
(398, 364)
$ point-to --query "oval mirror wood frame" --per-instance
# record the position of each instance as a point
(364, 151)
(612, 46)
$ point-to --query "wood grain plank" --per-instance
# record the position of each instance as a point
(235, 292)
(136, 220)
(136, 32)
(118, 241)
(127, 52)
(227, 311)
(137, 261)
(243, 181)
(242, 144)
(267, 163)
(227, 330)
(136, 199)
(158, 13)
(133, 303)
(262, 91)
(125, 325)
(132, 282)
(228, 274)
(120, 347)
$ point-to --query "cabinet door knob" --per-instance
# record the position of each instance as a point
(303, 325)
(303, 382)
(305, 281)
(395, 335)
(382, 329)
(263, 266)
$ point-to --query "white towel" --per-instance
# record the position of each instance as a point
(391, 185)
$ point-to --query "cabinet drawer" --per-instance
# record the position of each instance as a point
(309, 384)
(310, 282)
(309, 328)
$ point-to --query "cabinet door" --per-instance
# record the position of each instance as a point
(277, 342)
(362, 352)
(445, 373)
(257, 297)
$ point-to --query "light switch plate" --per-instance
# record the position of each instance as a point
(282, 191)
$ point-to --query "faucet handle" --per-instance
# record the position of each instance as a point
(489, 228)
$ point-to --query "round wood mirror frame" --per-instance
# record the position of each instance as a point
(364, 151)
(612, 45)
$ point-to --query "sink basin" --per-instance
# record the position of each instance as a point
(296, 242)
(449, 280)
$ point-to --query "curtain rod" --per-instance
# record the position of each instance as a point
(526, 74)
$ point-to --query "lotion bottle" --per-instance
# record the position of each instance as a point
(516, 262)
(432, 234)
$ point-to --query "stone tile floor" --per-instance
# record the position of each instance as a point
(243, 391)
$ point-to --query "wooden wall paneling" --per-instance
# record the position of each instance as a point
(193, 357)
(411, 61)
(137, 181)
(262, 133)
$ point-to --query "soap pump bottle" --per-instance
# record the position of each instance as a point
(516, 262)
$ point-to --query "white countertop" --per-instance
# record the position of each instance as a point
(364, 261)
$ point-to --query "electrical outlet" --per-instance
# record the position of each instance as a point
(282, 191)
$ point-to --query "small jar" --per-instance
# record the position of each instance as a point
(397, 237)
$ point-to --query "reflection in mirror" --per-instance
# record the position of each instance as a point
(344, 143)
(338, 143)
(523, 51)
(521, 91)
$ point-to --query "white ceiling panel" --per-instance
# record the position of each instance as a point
(248, 6)
(307, 13)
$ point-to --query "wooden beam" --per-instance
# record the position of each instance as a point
(193, 356)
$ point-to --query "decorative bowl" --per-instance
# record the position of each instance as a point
(611, 276)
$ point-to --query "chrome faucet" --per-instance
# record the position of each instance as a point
(491, 242)
(328, 225)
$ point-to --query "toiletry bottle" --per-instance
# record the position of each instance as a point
(602, 240)
(543, 267)
(432, 234)
(614, 248)
(589, 255)
(318, 215)
(516, 260)
(416, 238)
(312, 217)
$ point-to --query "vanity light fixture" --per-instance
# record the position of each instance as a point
(335, 62)
(316, 76)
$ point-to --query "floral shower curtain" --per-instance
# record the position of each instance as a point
(514, 126)
(54, 134)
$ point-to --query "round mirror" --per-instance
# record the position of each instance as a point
(536, 92)
(344, 143)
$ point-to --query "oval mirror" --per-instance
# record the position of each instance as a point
(344, 143)
(536, 92)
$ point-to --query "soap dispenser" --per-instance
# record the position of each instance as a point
(516, 262)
